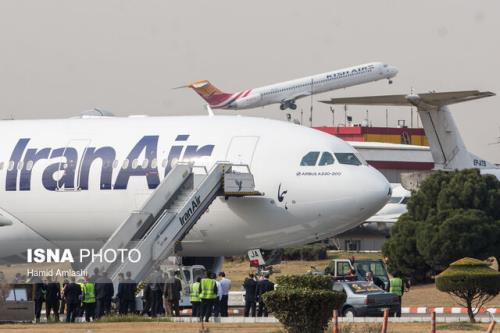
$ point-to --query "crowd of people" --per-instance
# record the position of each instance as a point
(88, 297)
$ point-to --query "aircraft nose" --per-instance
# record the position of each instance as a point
(393, 71)
(375, 192)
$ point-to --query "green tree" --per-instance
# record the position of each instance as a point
(453, 215)
(472, 282)
(401, 248)
(454, 234)
(303, 303)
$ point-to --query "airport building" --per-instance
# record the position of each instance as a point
(408, 152)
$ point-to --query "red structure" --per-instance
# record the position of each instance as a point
(402, 135)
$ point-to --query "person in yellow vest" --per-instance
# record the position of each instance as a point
(208, 293)
(194, 297)
(88, 299)
(397, 286)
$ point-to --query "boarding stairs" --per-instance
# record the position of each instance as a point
(168, 215)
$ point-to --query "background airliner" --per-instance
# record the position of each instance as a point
(445, 142)
(286, 93)
(72, 182)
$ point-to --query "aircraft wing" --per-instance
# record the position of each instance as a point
(424, 100)
(386, 218)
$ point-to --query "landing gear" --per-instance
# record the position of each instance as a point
(288, 104)
(390, 81)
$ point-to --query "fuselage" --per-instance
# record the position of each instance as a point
(71, 182)
(289, 91)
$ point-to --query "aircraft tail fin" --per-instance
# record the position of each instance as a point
(210, 93)
(447, 147)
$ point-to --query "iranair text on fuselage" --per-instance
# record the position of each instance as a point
(71, 168)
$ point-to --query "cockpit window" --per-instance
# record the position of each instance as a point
(310, 159)
(405, 200)
(347, 158)
(326, 159)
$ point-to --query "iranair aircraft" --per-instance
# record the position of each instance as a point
(446, 145)
(286, 93)
(72, 182)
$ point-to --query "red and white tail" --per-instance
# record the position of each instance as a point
(214, 97)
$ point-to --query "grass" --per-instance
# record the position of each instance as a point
(460, 326)
(166, 327)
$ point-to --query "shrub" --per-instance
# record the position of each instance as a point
(303, 303)
(472, 282)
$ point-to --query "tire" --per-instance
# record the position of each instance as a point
(282, 107)
(293, 106)
(349, 313)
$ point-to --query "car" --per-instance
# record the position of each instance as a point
(365, 299)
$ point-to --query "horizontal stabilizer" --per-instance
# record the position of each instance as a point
(425, 101)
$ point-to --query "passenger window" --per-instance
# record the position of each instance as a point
(145, 163)
(310, 159)
(326, 159)
(115, 164)
(29, 165)
(347, 158)
(135, 164)
(11, 165)
(125, 164)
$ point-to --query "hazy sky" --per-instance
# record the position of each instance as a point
(58, 58)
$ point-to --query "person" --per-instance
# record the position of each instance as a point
(396, 285)
(225, 285)
(129, 298)
(374, 280)
(52, 298)
(146, 299)
(263, 286)
(217, 301)
(62, 306)
(194, 297)
(38, 296)
(156, 292)
(72, 297)
(120, 295)
(173, 289)
(89, 299)
(250, 286)
(208, 294)
(104, 292)
(351, 275)
(79, 312)
(96, 275)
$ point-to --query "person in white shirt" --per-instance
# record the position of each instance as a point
(225, 286)
(217, 302)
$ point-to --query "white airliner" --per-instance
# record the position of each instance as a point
(445, 142)
(72, 182)
(286, 93)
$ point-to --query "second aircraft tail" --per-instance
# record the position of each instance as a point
(211, 94)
